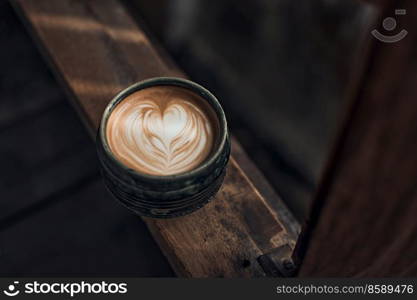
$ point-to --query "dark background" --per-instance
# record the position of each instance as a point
(280, 68)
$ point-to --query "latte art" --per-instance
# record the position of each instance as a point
(161, 130)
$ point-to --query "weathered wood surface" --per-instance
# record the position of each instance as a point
(56, 217)
(364, 217)
(96, 49)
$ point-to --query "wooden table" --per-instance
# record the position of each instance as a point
(363, 219)
(96, 49)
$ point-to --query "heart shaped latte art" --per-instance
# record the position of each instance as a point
(159, 134)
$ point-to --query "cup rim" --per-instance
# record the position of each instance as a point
(166, 81)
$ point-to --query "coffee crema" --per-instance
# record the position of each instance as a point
(162, 130)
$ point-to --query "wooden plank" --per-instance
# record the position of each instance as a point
(56, 217)
(363, 222)
(279, 208)
(96, 49)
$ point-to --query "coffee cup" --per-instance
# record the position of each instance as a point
(163, 145)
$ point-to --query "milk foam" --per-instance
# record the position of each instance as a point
(161, 130)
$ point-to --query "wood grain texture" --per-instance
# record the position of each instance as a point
(364, 217)
(96, 49)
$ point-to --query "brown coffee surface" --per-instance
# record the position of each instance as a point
(162, 130)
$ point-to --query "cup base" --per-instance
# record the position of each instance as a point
(166, 209)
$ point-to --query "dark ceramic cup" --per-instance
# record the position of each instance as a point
(172, 195)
